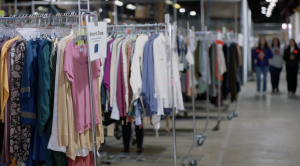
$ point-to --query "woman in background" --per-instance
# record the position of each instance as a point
(261, 63)
(276, 64)
(291, 57)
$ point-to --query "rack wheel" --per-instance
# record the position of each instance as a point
(184, 164)
(107, 163)
(201, 141)
(217, 127)
(193, 162)
(235, 113)
(229, 117)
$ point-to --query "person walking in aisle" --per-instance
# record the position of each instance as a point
(276, 64)
(261, 61)
(291, 57)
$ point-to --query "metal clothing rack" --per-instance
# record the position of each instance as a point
(120, 157)
(82, 13)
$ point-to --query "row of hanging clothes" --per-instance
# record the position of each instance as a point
(215, 60)
(137, 79)
(45, 95)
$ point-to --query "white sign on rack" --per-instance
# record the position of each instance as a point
(96, 39)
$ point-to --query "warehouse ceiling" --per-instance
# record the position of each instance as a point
(281, 11)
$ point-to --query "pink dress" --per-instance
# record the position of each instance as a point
(76, 70)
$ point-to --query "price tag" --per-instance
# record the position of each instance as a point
(96, 39)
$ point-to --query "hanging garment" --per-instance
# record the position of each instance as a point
(53, 142)
(137, 66)
(2, 122)
(4, 90)
(233, 73)
(150, 103)
(120, 91)
(79, 144)
(205, 70)
(80, 161)
(202, 87)
(191, 47)
(160, 72)
(5, 155)
(106, 78)
(115, 110)
(20, 133)
(125, 73)
(76, 70)
(113, 69)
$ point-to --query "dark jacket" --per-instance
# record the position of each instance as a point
(265, 61)
(287, 57)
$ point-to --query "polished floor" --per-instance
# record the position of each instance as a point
(265, 133)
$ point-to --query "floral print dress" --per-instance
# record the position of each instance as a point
(20, 134)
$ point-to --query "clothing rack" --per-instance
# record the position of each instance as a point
(82, 13)
(170, 30)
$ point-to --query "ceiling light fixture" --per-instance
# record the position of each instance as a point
(182, 10)
(268, 0)
(130, 7)
(169, 2)
(284, 26)
(177, 6)
(118, 3)
(192, 13)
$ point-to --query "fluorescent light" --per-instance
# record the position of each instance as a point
(177, 6)
(284, 26)
(169, 2)
(290, 26)
(118, 3)
(35, 13)
(108, 20)
(268, 0)
(263, 12)
(275, 1)
(192, 13)
(130, 7)
(263, 8)
(182, 10)
(100, 10)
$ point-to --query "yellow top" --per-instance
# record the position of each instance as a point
(4, 90)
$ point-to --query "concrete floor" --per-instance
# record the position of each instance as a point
(265, 133)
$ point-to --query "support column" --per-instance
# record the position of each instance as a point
(175, 12)
(245, 39)
(202, 14)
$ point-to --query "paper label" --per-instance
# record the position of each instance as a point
(172, 82)
(96, 39)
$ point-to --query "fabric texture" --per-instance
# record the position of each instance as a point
(20, 134)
